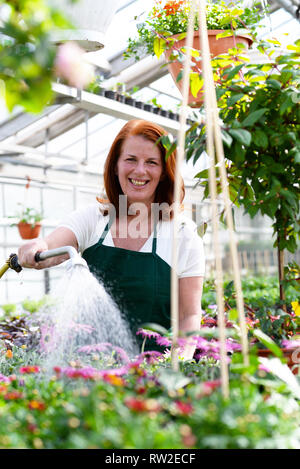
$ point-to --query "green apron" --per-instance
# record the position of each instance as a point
(139, 283)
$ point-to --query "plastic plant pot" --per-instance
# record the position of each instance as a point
(148, 107)
(157, 110)
(139, 104)
(110, 94)
(129, 100)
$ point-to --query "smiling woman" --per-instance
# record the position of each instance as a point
(127, 239)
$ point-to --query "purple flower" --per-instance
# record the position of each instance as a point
(80, 327)
(147, 333)
(105, 347)
(151, 356)
(163, 341)
(48, 338)
(95, 348)
(4, 379)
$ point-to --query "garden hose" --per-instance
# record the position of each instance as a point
(11, 263)
(75, 258)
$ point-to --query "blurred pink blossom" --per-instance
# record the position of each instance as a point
(71, 65)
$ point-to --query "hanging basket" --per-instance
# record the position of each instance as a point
(91, 19)
(27, 231)
(216, 46)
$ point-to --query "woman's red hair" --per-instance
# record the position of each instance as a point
(151, 132)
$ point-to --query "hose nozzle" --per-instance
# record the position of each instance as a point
(11, 263)
(75, 258)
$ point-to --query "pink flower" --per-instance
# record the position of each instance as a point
(80, 327)
(163, 341)
(71, 65)
(290, 344)
(29, 369)
(147, 333)
(85, 373)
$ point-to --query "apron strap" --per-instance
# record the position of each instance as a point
(106, 230)
(108, 226)
(154, 242)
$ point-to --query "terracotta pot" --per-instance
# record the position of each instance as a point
(27, 231)
(292, 356)
(216, 46)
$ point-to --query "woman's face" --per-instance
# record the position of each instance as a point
(139, 169)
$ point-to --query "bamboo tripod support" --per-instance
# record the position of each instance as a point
(212, 122)
(177, 188)
(214, 145)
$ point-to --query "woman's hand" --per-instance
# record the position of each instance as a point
(59, 237)
(27, 252)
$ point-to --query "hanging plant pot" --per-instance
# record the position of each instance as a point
(29, 231)
(216, 46)
(91, 19)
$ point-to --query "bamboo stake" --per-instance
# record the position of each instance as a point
(225, 193)
(208, 103)
(177, 188)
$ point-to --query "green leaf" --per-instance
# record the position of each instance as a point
(297, 157)
(159, 46)
(202, 229)
(274, 83)
(241, 135)
(267, 342)
(225, 33)
(253, 117)
(260, 138)
(234, 98)
(227, 139)
(151, 326)
(196, 83)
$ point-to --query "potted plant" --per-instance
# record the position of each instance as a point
(164, 31)
(29, 225)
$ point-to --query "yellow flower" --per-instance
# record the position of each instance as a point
(296, 307)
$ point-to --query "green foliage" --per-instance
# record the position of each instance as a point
(164, 21)
(260, 113)
(263, 307)
(27, 53)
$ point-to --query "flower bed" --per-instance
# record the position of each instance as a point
(103, 399)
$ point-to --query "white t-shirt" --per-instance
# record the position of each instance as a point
(89, 223)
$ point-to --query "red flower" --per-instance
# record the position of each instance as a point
(36, 405)
(184, 408)
(142, 405)
(13, 395)
(209, 387)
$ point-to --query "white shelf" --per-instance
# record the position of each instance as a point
(99, 104)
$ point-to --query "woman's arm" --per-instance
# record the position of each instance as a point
(59, 237)
(190, 293)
